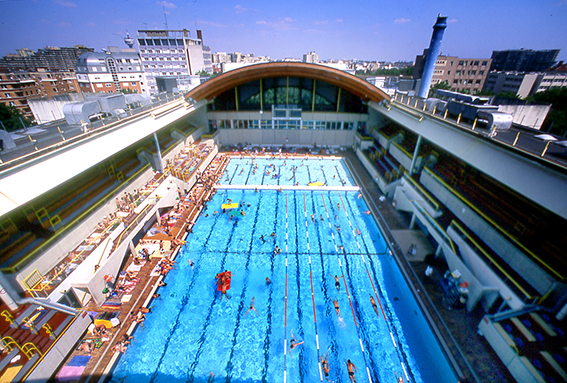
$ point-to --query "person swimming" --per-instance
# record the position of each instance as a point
(337, 282)
(374, 304)
(293, 343)
(252, 306)
(337, 309)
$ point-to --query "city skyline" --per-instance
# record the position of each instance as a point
(364, 30)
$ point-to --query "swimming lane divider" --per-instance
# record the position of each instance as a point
(347, 291)
(285, 308)
(312, 294)
(375, 292)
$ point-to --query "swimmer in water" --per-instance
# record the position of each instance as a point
(337, 309)
(252, 306)
(374, 304)
(337, 282)
(293, 343)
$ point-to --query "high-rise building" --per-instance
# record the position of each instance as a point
(111, 71)
(48, 58)
(461, 74)
(172, 53)
(311, 57)
(523, 60)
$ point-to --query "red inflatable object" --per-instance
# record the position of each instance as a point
(223, 279)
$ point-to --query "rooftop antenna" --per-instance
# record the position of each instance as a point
(128, 40)
(145, 25)
(164, 16)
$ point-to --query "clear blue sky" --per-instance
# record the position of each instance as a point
(362, 29)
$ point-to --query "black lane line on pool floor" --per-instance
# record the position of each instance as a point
(234, 174)
(333, 347)
(301, 331)
(191, 370)
(362, 318)
(395, 341)
(267, 337)
(184, 301)
(249, 172)
(230, 365)
(402, 355)
(312, 292)
(347, 290)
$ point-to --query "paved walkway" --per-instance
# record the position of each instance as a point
(470, 351)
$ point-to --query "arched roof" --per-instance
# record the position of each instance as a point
(219, 84)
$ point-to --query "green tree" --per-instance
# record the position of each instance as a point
(440, 85)
(10, 117)
(556, 121)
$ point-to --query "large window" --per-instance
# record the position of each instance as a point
(307, 94)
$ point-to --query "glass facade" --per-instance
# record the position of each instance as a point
(305, 93)
(285, 124)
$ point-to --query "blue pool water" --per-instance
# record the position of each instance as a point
(328, 172)
(191, 333)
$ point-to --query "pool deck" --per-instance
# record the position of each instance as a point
(457, 328)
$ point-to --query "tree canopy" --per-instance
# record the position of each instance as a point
(10, 117)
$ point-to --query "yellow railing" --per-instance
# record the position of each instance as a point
(424, 192)
(134, 222)
(14, 268)
(404, 150)
(491, 221)
(52, 345)
(436, 225)
(9, 318)
(45, 284)
(28, 349)
(487, 255)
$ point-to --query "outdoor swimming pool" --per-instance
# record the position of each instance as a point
(325, 171)
(191, 332)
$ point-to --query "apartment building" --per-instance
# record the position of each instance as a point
(462, 74)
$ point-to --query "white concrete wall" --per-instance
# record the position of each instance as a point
(531, 116)
(486, 276)
(400, 156)
(277, 137)
(501, 245)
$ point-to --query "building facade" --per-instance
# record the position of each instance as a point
(311, 57)
(49, 71)
(524, 84)
(523, 60)
(111, 71)
(49, 58)
(17, 87)
(462, 74)
(172, 53)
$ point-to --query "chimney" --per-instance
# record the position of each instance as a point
(200, 35)
(432, 53)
